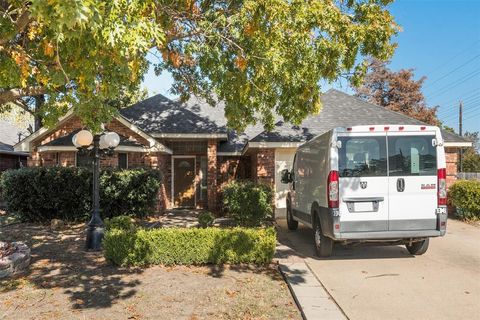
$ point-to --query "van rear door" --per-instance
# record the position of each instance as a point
(363, 182)
(412, 161)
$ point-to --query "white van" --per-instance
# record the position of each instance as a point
(384, 184)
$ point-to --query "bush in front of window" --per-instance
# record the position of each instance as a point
(40, 194)
(189, 246)
(465, 196)
(248, 203)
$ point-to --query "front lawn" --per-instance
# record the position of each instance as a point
(65, 282)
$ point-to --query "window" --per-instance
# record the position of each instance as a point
(123, 160)
(412, 156)
(362, 157)
(203, 179)
(84, 160)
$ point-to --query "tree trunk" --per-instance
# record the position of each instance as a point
(39, 101)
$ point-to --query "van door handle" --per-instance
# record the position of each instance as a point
(400, 184)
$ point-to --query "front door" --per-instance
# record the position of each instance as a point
(184, 182)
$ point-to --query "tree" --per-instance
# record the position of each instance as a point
(471, 156)
(397, 91)
(258, 56)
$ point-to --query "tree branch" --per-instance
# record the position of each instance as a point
(22, 21)
(11, 95)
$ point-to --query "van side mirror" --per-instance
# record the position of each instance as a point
(285, 176)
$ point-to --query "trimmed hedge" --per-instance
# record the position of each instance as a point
(187, 246)
(248, 203)
(40, 194)
(465, 195)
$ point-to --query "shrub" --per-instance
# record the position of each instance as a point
(188, 246)
(248, 203)
(120, 222)
(205, 219)
(43, 193)
(465, 195)
(131, 192)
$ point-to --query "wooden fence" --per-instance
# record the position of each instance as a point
(468, 175)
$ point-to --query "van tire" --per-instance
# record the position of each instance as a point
(418, 248)
(323, 244)
(291, 223)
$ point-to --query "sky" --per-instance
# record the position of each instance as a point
(439, 40)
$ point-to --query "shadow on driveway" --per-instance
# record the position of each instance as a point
(300, 243)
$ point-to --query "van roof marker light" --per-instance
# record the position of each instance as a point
(349, 129)
(401, 128)
(423, 128)
(371, 128)
(386, 128)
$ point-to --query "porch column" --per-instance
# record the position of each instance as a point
(451, 156)
(212, 174)
(265, 166)
(265, 170)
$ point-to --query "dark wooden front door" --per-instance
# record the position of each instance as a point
(184, 182)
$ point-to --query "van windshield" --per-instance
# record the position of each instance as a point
(362, 157)
(367, 156)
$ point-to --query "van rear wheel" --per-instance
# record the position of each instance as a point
(323, 244)
(418, 248)
(292, 224)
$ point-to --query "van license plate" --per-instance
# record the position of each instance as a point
(442, 210)
(363, 206)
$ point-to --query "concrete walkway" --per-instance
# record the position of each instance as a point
(310, 295)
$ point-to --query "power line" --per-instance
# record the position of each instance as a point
(439, 67)
(469, 112)
(455, 84)
(449, 73)
(448, 111)
(465, 95)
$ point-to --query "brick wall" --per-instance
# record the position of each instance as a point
(212, 174)
(451, 155)
(265, 166)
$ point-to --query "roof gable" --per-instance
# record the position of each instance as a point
(160, 115)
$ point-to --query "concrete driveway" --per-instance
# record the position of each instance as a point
(388, 283)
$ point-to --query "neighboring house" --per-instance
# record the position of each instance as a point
(191, 144)
(10, 159)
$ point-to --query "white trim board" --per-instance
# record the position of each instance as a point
(191, 135)
(24, 145)
(457, 144)
(117, 149)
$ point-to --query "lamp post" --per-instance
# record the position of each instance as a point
(103, 144)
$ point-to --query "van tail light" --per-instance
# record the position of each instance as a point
(442, 186)
(332, 190)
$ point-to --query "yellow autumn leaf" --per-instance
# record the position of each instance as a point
(48, 49)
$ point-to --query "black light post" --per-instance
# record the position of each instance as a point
(95, 225)
(102, 145)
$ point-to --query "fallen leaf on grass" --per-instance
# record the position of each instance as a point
(231, 293)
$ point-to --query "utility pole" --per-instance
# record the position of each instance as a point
(460, 131)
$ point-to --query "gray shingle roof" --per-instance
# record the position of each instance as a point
(159, 114)
(341, 110)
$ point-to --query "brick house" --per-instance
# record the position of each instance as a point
(198, 154)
